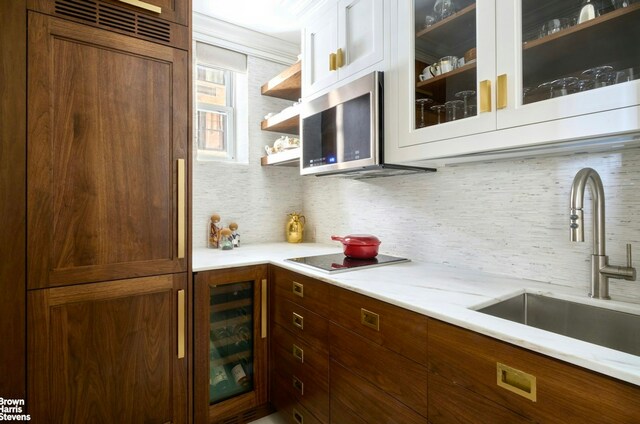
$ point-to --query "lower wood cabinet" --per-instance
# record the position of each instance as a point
(109, 352)
(230, 361)
(391, 365)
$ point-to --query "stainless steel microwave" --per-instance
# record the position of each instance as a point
(343, 132)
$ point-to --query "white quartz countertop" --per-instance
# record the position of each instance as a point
(448, 294)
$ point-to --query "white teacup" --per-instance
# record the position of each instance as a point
(425, 75)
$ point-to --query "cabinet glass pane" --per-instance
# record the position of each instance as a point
(230, 340)
(571, 46)
(445, 61)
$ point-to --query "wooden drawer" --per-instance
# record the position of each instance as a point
(304, 291)
(564, 393)
(397, 329)
(305, 361)
(343, 415)
(449, 403)
(302, 323)
(366, 401)
(291, 410)
(310, 392)
(401, 378)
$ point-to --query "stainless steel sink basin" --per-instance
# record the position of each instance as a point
(605, 327)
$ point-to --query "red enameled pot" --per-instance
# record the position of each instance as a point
(359, 246)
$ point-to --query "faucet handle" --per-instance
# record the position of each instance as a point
(629, 255)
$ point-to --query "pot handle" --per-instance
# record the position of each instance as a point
(338, 238)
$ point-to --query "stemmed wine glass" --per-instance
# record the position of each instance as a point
(465, 95)
(561, 85)
(437, 109)
(422, 102)
(597, 73)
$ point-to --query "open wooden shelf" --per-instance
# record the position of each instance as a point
(286, 85)
(289, 157)
(287, 121)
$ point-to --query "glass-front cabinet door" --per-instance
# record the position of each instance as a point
(230, 324)
(564, 58)
(447, 66)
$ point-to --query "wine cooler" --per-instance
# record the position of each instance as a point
(231, 340)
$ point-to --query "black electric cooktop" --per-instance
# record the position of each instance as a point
(337, 262)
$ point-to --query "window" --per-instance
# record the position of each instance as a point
(220, 103)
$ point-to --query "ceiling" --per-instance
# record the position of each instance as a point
(277, 18)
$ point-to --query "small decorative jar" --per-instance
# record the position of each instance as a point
(226, 239)
(295, 228)
(235, 234)
(214, 231)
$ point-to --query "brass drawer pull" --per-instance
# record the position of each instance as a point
(485, 96)
(370, 319)
(298, 289)
(263, 310)
(501, 92)
(181, 324)
(143, 5)
(298, 385)
(181, 209)
(298, 353)
(517, 381)
(297, 417)
(298, 321)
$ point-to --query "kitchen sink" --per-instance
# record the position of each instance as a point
(605, 327)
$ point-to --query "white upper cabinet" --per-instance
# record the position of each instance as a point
(478, 76)
(347, 40)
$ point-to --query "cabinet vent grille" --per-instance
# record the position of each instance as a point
(247, 416)
(114, 17)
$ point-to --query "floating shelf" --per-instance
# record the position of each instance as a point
(440, 40)
(287, 121)
(286, 85)
(430, 84)
(285, 158)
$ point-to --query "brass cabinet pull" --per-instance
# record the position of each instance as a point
(370, 319)
(181, 209)
(181, 320)
(263, 310)
(298, 385)
(297, 416)
(332, 62)
(339, 58)
(298, 353)
(298, 321)
(501, 92)
(143, 5)
(298, 289)
(516, 381)
(485, 96)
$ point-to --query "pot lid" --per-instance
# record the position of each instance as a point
(358, 240)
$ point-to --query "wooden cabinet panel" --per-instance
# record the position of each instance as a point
(305, 291)
(254, 399)
(311, 392)
(449, 403)
(343, 415)
(400, 330)
(396, 375)
(289, 408)
(306, 362)
(565, 393)
(303, 323)
(107, 352)
(107, 124)
(372, 404)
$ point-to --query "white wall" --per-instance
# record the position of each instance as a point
(508, 217)
(257, 198)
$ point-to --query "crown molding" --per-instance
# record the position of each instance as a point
(233, 37)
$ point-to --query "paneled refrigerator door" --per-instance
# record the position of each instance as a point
(566, 58)
(446, 68)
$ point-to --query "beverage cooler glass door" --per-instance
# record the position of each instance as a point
(572, 57)
(449, 47)
(231, 335)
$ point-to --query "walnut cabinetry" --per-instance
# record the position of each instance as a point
(387, 364)
(98, 141)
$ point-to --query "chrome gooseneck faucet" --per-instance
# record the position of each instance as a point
(601, 271)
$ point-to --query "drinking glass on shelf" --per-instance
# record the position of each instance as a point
(624, 75)
(453, 109)
(562, 85)
(437, 109)
(583, 84)
(422, 102)
(429, 20)
(465, 95)
(444, 8)
(600, 75)
(547, 86)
